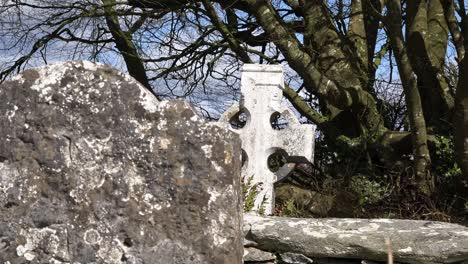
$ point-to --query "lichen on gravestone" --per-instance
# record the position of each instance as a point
(93, 169)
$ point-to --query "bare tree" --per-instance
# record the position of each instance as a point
(333, 50)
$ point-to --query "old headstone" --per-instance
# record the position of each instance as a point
(268, 131)
(93, 169)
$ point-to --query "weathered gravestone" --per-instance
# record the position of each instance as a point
(93, 169)
(262, 141)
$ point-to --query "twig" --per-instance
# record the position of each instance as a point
(389, 251)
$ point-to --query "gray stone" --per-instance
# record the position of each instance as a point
(336, 261)
(249, 243)
(411, 241)
(93, 169)
(254, 255)
(294, 258)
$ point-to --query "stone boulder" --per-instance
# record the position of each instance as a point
(418, 242)
(93, 169)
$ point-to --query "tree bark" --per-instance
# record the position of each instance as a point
(427, 40)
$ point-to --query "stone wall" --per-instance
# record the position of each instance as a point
(93, 169)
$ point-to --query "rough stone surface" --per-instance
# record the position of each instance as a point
(294, 258)
(346, 261)
(421, 242)
(249, 243)
(93, 169)
(262, 92)
(254, 255)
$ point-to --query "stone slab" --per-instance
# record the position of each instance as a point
(414, 242)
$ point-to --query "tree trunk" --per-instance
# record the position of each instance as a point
(461, 109)
(423, 178)
(426, 42)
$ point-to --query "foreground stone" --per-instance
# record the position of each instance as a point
(294, 258)
(93, 169)
(253, 255)
(421, 242)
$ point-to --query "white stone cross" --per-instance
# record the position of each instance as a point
(260, 106)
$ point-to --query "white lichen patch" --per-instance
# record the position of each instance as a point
(91, 66)
(133, 180)
(216, 166)
(88, 178)
(195, 118)
(11, 113)
(228, 157)
(405, 250)
(95, 145)
(151, 144)
(163, 105)
(48, 77)
(348, 222)
(162, 125)
(45, 239)
(112, 167)
(18, 78)
(7, 178)
(462, 233)
(372, 227)
(148, 101)
(164, 143)
(29, 256)
(214, 194)
(148, 197)
(405, 231)
(216, 232)
(314, 233)
(387, 221)
(341, 236)
(207, 150)
(438, 225)
(296, 223)
(92, 237)
(110, 252)
(182, 171)
(141, 129)
(152, 205)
